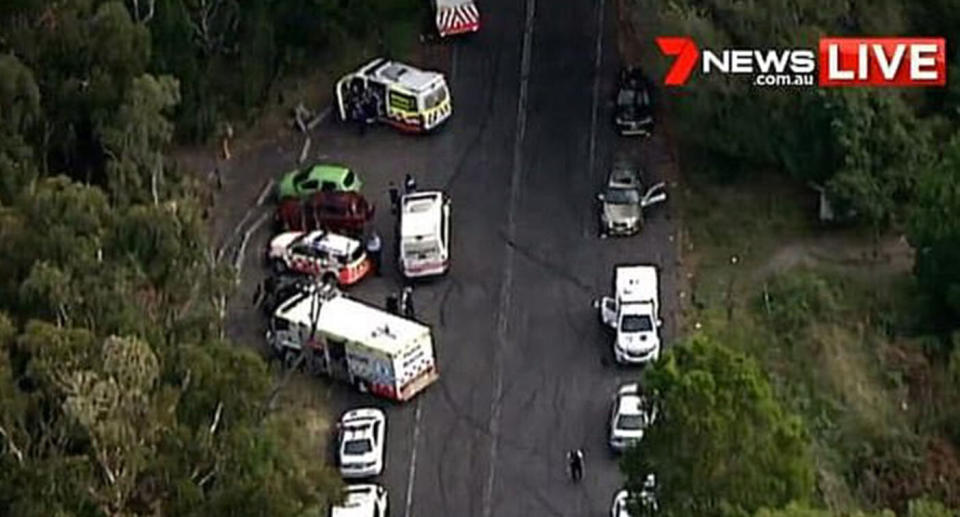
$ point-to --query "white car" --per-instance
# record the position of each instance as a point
(334, 258)
(362, 433)
(366, 500)
(424, 236)
(630, 416)
(648, 500)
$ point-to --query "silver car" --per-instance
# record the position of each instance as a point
(623, 200)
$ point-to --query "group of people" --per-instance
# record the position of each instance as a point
(401, 304)
(364, 106)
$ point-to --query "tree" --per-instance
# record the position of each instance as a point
(934, 231)
(722, 445)
(135, 138)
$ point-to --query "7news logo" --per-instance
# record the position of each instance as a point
(839, 61)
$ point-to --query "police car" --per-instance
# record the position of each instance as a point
(361, 435)
(334, 258)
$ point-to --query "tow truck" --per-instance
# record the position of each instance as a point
(634, 313)
(406, 97)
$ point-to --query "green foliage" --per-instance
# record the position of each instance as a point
(934, 231)
(723, 445)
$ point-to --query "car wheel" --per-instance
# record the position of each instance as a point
(329, 278)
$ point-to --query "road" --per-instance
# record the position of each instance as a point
(526, 369)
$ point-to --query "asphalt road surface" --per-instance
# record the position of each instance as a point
(526, 370)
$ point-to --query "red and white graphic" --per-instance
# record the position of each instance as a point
(908, 61)
(883, 62)
(457, 17)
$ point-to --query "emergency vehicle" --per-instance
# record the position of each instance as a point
(407, 98)
(377, 352)
(424, 236)
(332, 257)
(456, 17)
(634, 313)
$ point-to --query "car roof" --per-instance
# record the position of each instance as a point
(358, 501)
(337, 197)
(330, 242)
(632, 404)
(421, 214)
(405, 75)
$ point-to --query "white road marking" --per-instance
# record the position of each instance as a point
(241, 251)
(413, 458)
(592, 152)
(503, 312)
(262, 198)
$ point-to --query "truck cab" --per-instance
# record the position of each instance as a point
(634, 314)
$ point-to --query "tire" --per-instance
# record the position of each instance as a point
(329, 278)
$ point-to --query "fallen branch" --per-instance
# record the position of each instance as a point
(305, 150)
(13, 447)
(216, 418)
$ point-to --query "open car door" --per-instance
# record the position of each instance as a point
(608, 311)
(655, 194)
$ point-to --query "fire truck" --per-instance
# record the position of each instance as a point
(405, 97)
(376, 351)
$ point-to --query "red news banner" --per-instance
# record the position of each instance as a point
(883, 62)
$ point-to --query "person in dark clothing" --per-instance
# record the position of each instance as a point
(406, 302)
(393, 305)
(394, 198)
(410, 184)
(358, 116)
(575, 460)
(374, 248)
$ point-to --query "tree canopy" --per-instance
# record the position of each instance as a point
(723, 444)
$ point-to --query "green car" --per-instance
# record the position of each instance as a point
(316, 178)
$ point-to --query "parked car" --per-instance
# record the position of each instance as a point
(633, 115)
(623, 200)
(362, 500)
(334, 258)
(317, 178)
(361, 436)
(342, 212)
(632, 413)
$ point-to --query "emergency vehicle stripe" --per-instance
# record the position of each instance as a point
(461, 18)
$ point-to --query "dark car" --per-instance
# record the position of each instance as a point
(634, 103)
(339, 212)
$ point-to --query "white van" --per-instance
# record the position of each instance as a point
(424, 236)
(362, 500)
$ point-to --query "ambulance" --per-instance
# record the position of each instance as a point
(407, 98)
(375, 351)
(456, 17)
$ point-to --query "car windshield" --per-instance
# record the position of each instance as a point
(416, 249)
(302, 175)
(348, 179)
(626, 97)
(636, 323)
(357, 446)
(631, 422)
(622, 196)
(434, 98)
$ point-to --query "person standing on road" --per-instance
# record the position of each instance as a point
(575, 460)
(406, 302)
(394, 197)
(410, 184)
(393, 305)
(374, 249)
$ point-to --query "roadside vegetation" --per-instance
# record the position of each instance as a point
(118, 393)
(852, 332)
